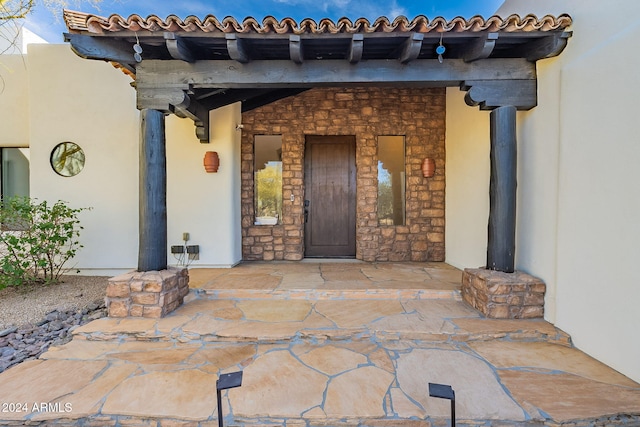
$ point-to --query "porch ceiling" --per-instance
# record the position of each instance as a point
(192, 66)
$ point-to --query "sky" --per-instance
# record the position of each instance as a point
(44, 22)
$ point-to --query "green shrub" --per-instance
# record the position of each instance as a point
(36, 240)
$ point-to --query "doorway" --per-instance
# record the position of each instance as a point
(330, 196)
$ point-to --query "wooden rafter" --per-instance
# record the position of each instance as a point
(178, 47)
(355, 48)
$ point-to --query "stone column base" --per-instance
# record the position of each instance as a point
(501, 295)
(148, 293)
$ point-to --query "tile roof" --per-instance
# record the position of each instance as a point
(84, 22)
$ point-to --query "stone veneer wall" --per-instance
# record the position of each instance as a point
(147, 294)
(501, 295)
(417, 114)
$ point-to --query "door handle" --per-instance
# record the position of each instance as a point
(306, 211)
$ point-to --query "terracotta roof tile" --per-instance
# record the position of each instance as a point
(84, 22)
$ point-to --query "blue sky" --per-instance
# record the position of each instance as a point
(49, 26)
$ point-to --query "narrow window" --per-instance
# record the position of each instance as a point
(268, 179)
(391, 180)
(67, 159)
(14, 167)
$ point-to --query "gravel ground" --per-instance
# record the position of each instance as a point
(28, 305)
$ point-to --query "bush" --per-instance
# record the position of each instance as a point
(37, 240)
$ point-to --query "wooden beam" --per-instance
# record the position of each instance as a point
(160, 98)
(282, 73)
(200, 116)
(546, 47)
(178, 48)
(209, 93)
(237, 48)
(501, 244)
(259, 101)
(355, 48)
(480, 48)
(100, 48)
(233, 95)
(522, 94)
(295, 49)
(178, 102)
(411, 48)
(152, 249)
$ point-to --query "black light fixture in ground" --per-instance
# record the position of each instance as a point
(224, 382)
(443, 391)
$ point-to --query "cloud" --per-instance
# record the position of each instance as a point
(396, 10)
(335, 9)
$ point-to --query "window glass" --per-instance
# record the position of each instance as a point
(67, 159)
(391, 180)
(268, 179)
(14, 172)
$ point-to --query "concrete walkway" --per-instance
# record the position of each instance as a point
(336, 344)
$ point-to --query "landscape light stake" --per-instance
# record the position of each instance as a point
(226, 381)
(445, 392)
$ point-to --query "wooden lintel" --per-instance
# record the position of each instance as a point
(481, 48)
(355, 48)
(105, 49)
(237, 48)
(489, 95)
(178, 48)
(283, 73)
(546, 47)
(295, 49)
(411, 48)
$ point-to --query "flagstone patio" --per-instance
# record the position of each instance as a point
(319, 344)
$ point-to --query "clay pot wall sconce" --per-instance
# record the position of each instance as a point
(211, 162)
(428, 167)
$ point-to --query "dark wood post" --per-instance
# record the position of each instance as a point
(152, 252)
(502, 191)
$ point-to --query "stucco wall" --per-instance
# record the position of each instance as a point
(92, 104)
(14, 101)
(578, 199)
(206, 205)
(467, 195)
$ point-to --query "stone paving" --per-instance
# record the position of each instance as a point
(338, 356)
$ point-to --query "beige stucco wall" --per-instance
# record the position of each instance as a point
(14, 101)
(206, 205)
(92, 104)
(578, 199)
(467, 178)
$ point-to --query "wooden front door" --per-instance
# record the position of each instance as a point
(330, 196)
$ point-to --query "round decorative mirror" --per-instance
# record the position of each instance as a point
(67, 159)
